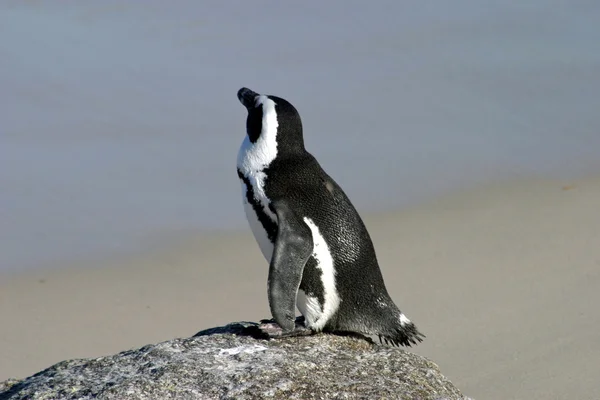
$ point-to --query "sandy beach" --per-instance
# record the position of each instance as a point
(503, 280)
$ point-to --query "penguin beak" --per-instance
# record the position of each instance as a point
(247, 97)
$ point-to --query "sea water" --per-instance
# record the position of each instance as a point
(119, 122)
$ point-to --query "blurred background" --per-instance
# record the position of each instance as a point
(120, 126)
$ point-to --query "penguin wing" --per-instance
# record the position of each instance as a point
(293, 247)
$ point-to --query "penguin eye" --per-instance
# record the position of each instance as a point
(254, 124)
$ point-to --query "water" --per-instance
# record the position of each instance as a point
(119, 122)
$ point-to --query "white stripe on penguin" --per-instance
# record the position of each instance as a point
(324, 259)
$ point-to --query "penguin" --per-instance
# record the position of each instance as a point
(320, 254)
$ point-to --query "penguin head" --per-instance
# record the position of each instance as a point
(272, 119)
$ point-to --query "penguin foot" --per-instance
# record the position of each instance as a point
(269, 329)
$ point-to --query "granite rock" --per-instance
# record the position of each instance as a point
(232, 362)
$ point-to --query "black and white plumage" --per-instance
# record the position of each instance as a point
(321, 256)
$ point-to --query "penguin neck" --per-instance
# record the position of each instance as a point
(257, 156)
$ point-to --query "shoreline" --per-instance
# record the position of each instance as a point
(164, 243)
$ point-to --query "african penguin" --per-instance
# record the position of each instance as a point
(321, 257)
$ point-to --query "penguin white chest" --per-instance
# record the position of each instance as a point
(259, 232)
(254, 157)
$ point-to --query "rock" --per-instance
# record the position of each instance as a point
(231, 363)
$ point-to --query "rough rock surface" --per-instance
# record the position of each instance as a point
(230, 363)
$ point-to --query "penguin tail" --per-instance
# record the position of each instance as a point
(404, 333)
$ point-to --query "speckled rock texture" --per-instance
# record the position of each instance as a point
(231, 363)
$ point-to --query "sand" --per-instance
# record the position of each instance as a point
(503, 280)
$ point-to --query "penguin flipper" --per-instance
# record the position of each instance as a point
(293, 247)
